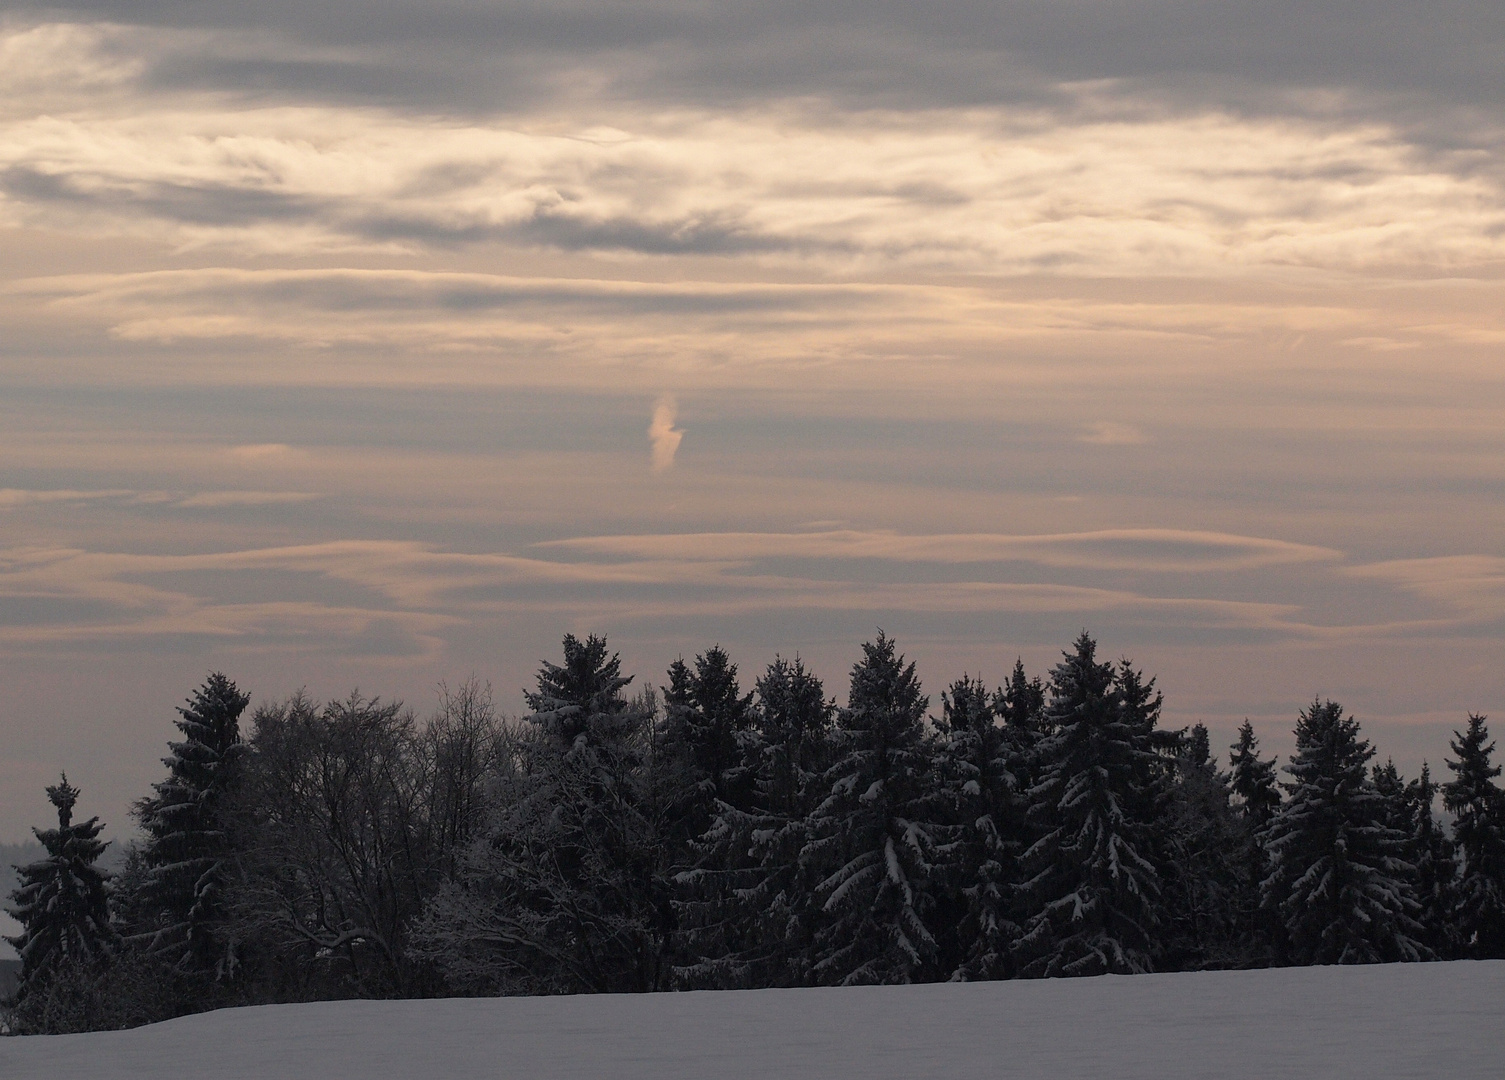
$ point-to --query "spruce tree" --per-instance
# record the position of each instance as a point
(876, 831)
(979, 790)
(187, 850)
(708, 753)
(1478, 809)
(1257, 798)
(1431, 852)
(1339, 884)
(1020, 705)
(1094, 892)
(579, 704)
(703, 739)
(1252, 778)
(1203, 875)
(62, 901)
(567, 890)
(793, 747)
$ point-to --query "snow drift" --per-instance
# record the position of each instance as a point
(1410, 1020)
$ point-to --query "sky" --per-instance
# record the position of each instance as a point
(375, 345)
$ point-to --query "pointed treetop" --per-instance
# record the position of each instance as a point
(64, 796)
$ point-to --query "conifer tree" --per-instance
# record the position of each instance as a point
(708, 751)
(979, 790)
(1093, 893)
(876, 830)
(1020, 705)
(187, 850)
(1339, 884)
(1202, 876)
(62, 901)
(1390, 785)
(1478, 807)
(1252, 778)
(1431, 852)
(568, 889)
(792, 745)
(579, 704)
(1257, 798)
(703, 739)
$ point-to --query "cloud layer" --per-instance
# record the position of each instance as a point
(332, 333)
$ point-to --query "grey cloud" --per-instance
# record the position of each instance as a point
(388, 292)
(186, 204)
(944, 52)
(230, 206)
(568, 232)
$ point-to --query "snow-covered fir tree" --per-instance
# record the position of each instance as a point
(1252, 778)
(794, 747)
(567, 890)
(62, 902)
(1203, 874)
(1093, 891)
(1339, 884)
(874, 835)
(1478, 808)
(1431, 852)
(703, 742)
(707, 755)
(1019, 704)
(1256, 798)
(978, 788)
(187, 849)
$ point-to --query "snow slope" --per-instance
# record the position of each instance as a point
(1413, 1020)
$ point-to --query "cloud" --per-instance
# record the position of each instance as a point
(216, 499)
(1473, 585)
(663, 435)
(20, 497)
(259, 452)
(1147, 550)
(982, 189)
(1112, 433)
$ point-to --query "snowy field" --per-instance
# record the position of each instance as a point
(1413, 1020)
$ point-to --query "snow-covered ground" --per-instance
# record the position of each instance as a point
(1414, 1020)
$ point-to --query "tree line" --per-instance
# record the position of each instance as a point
(705, 836)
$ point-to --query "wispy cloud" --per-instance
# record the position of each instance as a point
(1148, 550)
(215, 499)
(1469, 584)
(1113, 433)
(22, 497)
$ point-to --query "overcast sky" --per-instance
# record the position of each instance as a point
(379, 345)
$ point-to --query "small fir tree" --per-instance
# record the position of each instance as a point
(876, 831)
(1478, 809)
(1252, 778)
(62, 901)
(1339, 884)
(187, 850)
